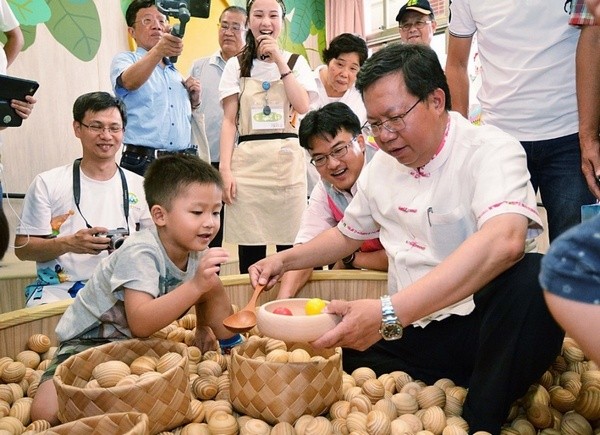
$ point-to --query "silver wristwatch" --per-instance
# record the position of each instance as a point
(391, 329)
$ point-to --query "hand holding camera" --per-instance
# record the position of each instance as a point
(115, 238)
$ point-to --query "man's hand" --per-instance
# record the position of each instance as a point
(88, 241)
(359, 328)
(266, 272)
(194, 89)
(590, 163)
(168, 46)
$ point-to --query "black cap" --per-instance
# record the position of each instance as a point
(421, 6)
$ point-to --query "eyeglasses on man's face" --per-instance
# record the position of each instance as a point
(99, 128)
(337, 153)
(149, 20)
(393, 124)
(224, 27)
(405, 27)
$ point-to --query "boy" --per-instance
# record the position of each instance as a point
(155, 276)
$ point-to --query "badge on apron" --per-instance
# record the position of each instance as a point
(267, 117)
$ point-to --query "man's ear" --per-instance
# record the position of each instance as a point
(361, 142)
(438, 99)
(159, 215)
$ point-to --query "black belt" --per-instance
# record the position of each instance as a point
(145, 151)
(267, 136)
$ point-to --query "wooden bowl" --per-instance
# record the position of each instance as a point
(298, 327)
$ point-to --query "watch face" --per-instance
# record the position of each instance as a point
(391, 331)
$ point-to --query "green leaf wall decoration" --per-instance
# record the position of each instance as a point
(30, 12)
(76, 26)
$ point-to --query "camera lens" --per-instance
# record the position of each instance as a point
(116, 242)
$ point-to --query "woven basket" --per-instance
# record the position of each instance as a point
(277, 392)
(125, 423)
(166, 398)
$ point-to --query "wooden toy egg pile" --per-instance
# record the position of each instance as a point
(566, 400)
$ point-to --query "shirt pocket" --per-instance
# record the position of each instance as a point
(448, 230)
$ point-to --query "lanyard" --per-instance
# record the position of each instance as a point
(77, 192)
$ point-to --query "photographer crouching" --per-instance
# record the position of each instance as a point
(75, 215)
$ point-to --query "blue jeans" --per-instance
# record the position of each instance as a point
(555, 168)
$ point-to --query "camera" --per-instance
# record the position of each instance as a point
(116, 237)
(195, 8)
(183, 10)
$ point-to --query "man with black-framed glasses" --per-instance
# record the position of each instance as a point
(453, 207)
(339, 152)
(416, 22)
(70, 212)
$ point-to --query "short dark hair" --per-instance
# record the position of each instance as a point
(238, 9)
(134, 7)
(96, 102)
(167, 175)
(329, 120)
(418, 63)
(346, 43)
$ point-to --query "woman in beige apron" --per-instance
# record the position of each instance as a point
(262, 90)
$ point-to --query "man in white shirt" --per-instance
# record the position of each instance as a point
(452, 205)
(70, 212)
(527, 90)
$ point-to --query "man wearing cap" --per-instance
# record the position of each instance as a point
(416, 22)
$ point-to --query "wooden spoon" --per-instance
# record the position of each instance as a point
(245, 319)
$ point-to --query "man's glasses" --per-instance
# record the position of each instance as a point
(393, 124)
(148, 20)
(337, 153)
(417, 25)
(224, 27)
(98, 129)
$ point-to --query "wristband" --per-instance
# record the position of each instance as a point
(284, 75)
(349, 260)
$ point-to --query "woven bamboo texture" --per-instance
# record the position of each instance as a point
(282, 392)
(17, 326)
(165, 398)
(122, 423)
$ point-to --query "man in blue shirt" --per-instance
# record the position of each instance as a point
(159, 102)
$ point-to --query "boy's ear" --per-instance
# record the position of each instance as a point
(159, 215)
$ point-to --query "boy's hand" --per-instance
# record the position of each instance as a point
(205, 338)
(210, 264)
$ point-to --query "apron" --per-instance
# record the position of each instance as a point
(269, 169)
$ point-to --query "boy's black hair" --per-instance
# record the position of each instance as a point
(329, 120)
(418, 64)
(167, 175)
(346, 43)
(97, 102)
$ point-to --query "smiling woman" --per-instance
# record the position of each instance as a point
(263, 91)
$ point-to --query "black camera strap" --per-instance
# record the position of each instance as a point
(77, 192)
